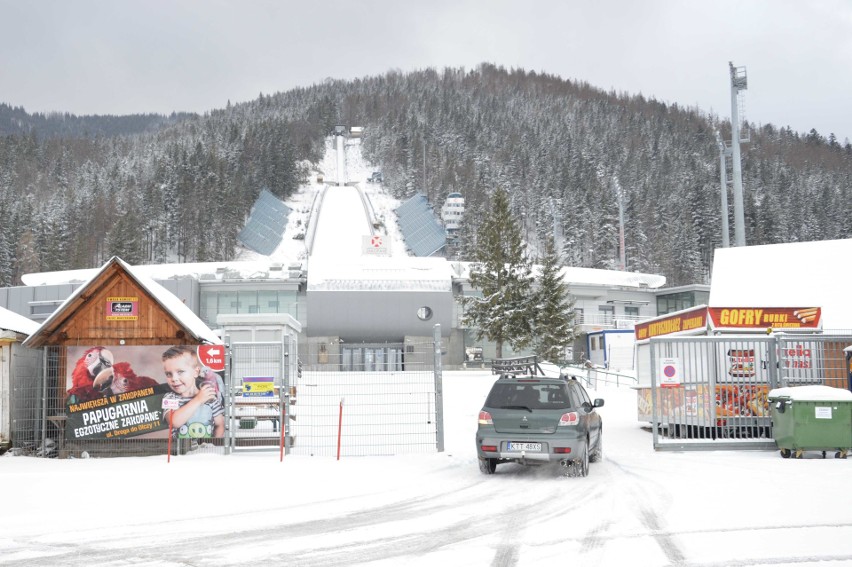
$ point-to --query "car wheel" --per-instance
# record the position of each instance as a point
(597, 454)
(487, 466)
(583, 464)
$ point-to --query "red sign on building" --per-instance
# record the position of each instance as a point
(212, 356)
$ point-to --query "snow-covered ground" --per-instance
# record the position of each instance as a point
(637, 507)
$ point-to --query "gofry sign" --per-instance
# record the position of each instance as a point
(765, 317)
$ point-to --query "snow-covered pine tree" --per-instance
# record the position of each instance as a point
(502, 273)
(553, 323)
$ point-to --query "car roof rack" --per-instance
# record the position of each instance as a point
(512, 367)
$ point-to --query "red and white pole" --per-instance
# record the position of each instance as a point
(339, 428)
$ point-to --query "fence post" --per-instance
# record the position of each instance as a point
(229, 400)
(283, 400)
(44, 373)
(774, 368)
(439, 391)
(339, 427)
(654, 406)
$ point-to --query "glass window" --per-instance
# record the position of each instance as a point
(248, 302)
(228, 302)
(631, 311)
(267, 301)
(209, 307)
(584, 396)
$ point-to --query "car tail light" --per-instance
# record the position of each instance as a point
(485, 418)
(570, 418)
(562, 450)
(489, 448)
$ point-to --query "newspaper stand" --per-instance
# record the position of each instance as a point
(812, 418)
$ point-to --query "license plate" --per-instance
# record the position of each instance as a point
(512, 446)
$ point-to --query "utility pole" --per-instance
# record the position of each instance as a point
(739, 82)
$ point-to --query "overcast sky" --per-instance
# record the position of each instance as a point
(121, 57)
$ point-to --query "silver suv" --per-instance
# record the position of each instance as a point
(533, 420)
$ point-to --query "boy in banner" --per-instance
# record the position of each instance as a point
(201, 412)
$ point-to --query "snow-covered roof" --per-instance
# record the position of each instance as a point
(167, 300)
(175, 307)
(381, 274)
(811, 393)
(11, 321)
(204, 271)
(786, 275)
(589, 276)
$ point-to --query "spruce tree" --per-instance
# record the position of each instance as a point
(502, 273)
(553, 324)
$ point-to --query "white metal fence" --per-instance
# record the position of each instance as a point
(395, 408)
(711, 392)
(357, 403)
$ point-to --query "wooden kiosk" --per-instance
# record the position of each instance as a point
(103, 369)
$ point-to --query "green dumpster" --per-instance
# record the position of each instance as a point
(811, 418)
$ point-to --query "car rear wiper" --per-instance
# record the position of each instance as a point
(516, 407)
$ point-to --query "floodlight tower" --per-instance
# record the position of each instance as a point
(739, 82)
(724, 151)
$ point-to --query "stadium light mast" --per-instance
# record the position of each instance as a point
(723, 175)
(739, 82)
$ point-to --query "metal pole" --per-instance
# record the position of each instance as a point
(654, 406)
(284, 399)
(44, 372)
(229, 397)
(739, 220)
(723, 179)
(439, 391)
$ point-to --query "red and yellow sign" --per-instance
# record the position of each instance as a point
(765, 317)
(691, 320)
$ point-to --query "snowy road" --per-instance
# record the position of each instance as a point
(637, 507)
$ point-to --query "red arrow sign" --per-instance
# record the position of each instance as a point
(212, 356)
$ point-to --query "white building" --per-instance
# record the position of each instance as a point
(452, 211)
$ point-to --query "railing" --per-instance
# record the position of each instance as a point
(617, 321)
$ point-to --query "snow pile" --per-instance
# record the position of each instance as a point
(811, 393)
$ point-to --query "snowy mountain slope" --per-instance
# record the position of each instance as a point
(341, 220)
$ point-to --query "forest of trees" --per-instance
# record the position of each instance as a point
(153, 189)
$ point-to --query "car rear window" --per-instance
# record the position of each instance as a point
(532, 396)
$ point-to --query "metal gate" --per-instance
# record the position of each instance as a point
(258, 394)
(355, 399)
(369, 399)
(711, 392)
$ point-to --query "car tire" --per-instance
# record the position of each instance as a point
(583, 464)
(487, 466)
(597, 454)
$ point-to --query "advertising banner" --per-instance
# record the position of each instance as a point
(765, 317)
(118, 392)
(693, 321)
